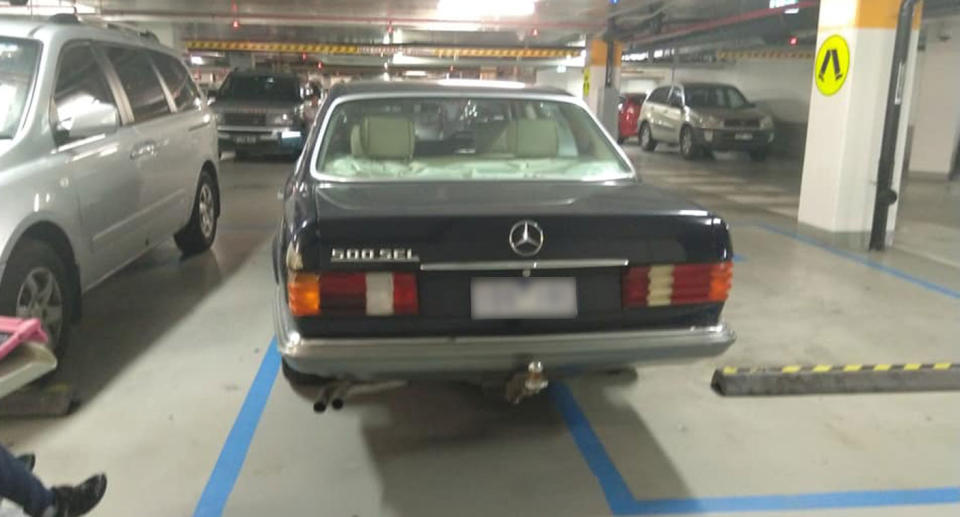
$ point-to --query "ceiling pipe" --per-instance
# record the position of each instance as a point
(696, 28)
(333, 20)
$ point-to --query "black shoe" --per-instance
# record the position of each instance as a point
(28, 460)
(72, 501)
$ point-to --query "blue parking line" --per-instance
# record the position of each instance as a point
(234, 451)
(622, 502)
(849, 255)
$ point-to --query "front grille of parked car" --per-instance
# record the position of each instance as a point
(244, 119)
(741, 122)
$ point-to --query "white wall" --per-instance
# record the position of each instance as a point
(571, 80)
(628, 85)
(936, 114)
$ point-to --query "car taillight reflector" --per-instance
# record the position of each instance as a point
(681, 284)
(303, 294)
(352, 294)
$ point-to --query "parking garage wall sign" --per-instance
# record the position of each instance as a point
(832, 65)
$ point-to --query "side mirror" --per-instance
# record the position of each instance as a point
(676, 103)
(89, 120)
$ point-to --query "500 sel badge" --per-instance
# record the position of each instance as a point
(373, 255)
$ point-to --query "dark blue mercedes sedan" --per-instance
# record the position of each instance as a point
(476, 230)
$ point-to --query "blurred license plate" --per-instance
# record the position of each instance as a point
(523, 298)
(245, 139)
(743, 136)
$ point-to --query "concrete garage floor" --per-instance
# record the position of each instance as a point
(182, 401)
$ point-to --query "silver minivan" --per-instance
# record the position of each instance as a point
(704, 117)
(107, 148)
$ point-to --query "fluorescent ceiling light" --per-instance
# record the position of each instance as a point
(196, 60)
(472, 9)
(47, 8)
(415, 73)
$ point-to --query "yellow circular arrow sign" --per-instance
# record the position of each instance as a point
(833, 65)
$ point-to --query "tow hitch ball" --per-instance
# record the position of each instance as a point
(526, 384)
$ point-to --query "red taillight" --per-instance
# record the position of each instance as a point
(352, 294)
(405, 301)
(636, 286)
(343, 294)
(681, 284)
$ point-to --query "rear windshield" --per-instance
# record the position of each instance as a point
(446, 139)
(261, 87)
(18, 65)
(714, 97)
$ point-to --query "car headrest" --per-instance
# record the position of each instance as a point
(383, 137)
(537, 138)
(495, 137)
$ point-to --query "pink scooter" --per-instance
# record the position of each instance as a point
(14, 331)
(24, 356)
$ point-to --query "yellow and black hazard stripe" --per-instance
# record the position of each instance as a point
(732, 55)
(326, 48)
(277, 47)
(843, 368)
(523, 53)
(844, 378)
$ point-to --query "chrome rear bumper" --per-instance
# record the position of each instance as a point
(453, 356)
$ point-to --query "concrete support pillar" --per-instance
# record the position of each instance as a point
(846, 116)
(601, 81)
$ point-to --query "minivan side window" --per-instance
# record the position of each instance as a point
(140, 83)
(676, 97)
(175, 76)
(660, 95)
(80, 85)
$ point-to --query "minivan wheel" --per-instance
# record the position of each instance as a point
(35, 284)
(198, 235)
(647, 143)
(688, 148)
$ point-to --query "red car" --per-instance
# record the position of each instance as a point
(629, 116)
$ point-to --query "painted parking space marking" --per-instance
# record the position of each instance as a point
(872, 264)
(234, 452)
(622, 502)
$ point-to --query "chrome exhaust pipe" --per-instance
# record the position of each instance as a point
(332, 395)
(526, 384)
(339, 395)
(323, 400)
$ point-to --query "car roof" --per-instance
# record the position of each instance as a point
(18, 28)
(60, 31)
(704, 83)
(459, 86)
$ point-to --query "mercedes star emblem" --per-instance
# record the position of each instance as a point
(526, 238)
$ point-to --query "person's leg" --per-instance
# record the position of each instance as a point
(23, 488)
